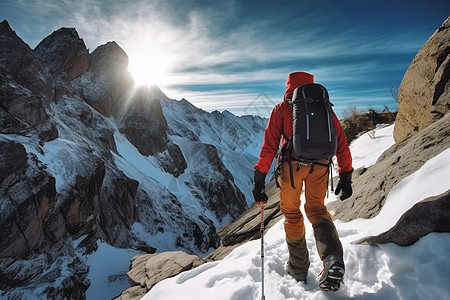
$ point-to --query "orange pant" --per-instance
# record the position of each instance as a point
(315, 192)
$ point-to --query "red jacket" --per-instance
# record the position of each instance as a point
(281, 117)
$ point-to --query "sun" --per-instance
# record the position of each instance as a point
(150, 68)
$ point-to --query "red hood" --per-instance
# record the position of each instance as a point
(295, 80)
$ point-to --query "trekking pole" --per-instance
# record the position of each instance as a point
(262, 250)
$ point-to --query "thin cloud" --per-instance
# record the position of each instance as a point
(226, 53)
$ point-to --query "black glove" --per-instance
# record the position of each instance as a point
(258, 187)
(344, 184)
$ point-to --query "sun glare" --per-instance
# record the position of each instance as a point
(149, 68)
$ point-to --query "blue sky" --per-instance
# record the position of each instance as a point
(236, 55)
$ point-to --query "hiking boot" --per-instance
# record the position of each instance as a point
(332, 275)
(298, 277)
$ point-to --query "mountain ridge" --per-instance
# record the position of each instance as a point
(88, 160)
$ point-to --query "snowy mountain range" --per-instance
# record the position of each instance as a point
(89, 161)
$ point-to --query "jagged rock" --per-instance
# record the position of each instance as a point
(144, 125)
(107, 85)
(117, 207)
(160, 212)
(172, 160)
(146, 270)
(25, 88)
(60, 272)
(27, 195)
(224, 199)
(63, 51)
(371, 185)
(109, 59)
(80, 204)
(429, 215)
(424, 94)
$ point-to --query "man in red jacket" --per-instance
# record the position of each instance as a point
(315, 178)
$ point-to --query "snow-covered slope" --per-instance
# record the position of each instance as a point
(384, 272)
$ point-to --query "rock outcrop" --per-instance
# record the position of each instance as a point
(429, 215)
(26, 89)
(424, 94)
(146, 270)
(28, 196)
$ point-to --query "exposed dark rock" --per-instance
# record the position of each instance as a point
(429, 215)
(172, 160)
(25, 88)
(117, 207)
(27, 195)
(80, 204)
(223, 196)
(107, 86)
(144, 125)
(63, 51)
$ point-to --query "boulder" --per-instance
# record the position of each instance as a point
(146, 270)
(424, 93)
(63, 51)
(429, 215)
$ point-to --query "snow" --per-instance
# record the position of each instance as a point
(111, 261)
(368, 147)
(385, 272)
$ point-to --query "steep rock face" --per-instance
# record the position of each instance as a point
(27, 195)
(144, 124)
(118, 207)
(223, 198)
(63, 51)
(107, 85)
(424, 94)
(25, 88)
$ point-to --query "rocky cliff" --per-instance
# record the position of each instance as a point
(88, 157)
(424, 94)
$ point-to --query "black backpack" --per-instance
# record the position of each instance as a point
(313, 138)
